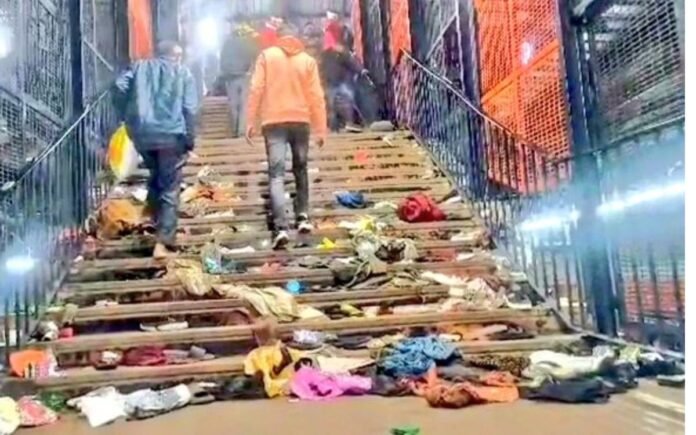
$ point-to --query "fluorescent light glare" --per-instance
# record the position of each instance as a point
(648, 195)
(20, 264)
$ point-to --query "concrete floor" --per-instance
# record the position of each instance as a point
(651, 410)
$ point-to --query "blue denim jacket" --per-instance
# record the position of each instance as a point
(158, 101)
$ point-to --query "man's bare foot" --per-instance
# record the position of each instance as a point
(161, 252)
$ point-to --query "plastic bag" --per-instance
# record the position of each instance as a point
(122, 157)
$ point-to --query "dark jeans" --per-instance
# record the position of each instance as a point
(341, 105)
(237, 94)
(277, 137)
(165, 164)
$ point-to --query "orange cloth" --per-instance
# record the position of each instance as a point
(140, 29)
(286, 87)
(495, 387)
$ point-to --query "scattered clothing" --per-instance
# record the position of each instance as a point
(673, 381)
(388, 386)
(33, 364)
(191, 276)
(420, 208)
(267, 301)
(415, 356)
(515, 364)
(496, 387)
(102, 406)
(119, 217)
(354, 200)
(569, 391)
(145, 356)
(148, 403)
(341, 365)
(215, 262)
(10, 418)
(312, 384)
(274, 364)
(241, 388)
(559, 366)
(33, 413)
(307, 340)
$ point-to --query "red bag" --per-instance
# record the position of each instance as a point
(420, 208)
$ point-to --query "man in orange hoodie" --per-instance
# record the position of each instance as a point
(287, 100)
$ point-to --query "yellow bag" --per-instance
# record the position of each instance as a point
(122, 157)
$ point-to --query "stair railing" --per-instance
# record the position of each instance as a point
(43, 218)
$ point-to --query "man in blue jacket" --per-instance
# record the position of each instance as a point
(158, 100)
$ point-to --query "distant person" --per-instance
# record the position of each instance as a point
(287, 100)
(339, 69)
(313, 39)
(336, 32)
(237, 56)
(158, 100)
(268, 36)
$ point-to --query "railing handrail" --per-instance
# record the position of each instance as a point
(471, 106)
(28, 169)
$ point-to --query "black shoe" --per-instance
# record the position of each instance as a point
(280, 240)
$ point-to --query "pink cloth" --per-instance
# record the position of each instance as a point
(312, 384)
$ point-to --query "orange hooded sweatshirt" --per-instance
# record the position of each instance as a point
(286, 87)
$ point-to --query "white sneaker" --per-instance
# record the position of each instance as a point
(281, 240)
(304, 226)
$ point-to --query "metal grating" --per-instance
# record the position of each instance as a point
(638, 65)
(34, 79)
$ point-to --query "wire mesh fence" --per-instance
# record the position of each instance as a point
(43, 216)
(636, 54)
(34, 79)
(542, 221)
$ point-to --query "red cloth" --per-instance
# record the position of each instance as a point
(268, 37)
(332, 35)
(145, 356)
(420, 208)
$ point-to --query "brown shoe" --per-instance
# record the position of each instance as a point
(161, 252)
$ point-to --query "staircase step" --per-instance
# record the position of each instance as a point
(256, 258)
(87, 378)
(113, 248)
(537, 320)
(372, 296)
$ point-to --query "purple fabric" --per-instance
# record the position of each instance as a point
(312, 384)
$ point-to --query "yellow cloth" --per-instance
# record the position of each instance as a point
(276, 363)
(9, 415)
(267, 301)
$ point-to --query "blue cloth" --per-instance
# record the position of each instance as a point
(158, 100)
(351, 199)
(415, 356)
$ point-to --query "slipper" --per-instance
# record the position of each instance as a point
(164, 326)
(200, 395)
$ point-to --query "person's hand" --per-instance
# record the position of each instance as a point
(249, 134)
(320, 142)
(365, 74)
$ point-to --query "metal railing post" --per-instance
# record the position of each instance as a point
(595, 260)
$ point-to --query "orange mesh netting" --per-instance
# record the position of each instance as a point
(400, 29)
(357, 31)
(140, 29)
(522, 81)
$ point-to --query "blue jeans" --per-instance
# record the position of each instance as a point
(277, 137)
(165, 164)
(341, 105)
